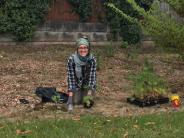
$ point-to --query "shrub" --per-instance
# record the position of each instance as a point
(178, 5)
(124, 44)
(163, 29)
(130, 32)
(83, 8)
(20, 17)
(3, 22)
(146, 4)
(147, 84)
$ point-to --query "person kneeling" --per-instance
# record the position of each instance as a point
(81, 71)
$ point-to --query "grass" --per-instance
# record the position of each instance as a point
(166, 125)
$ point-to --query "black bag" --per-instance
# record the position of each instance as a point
(47, 94)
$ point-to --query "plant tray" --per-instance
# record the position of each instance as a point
(147, 102)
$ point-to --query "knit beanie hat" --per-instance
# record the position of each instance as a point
(82, 41)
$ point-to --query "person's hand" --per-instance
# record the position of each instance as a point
(70, 94)
(89, 93)
(70, 98)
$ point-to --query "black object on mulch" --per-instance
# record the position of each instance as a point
(46, 94)
(24, 101)
(147, 102)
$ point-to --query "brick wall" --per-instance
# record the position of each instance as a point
(61, 10)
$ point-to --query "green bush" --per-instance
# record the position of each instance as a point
(178, 5)
(124, 45)
(20, 17)
(147, 84)
(146, 4)
(113, 21)
(83, 8)
(3, 22)
(163, 29)
(130, 32)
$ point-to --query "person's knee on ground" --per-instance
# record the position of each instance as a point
(77, 97)
(70, 101)
(81, 69)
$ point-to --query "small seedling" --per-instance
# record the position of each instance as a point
(56, 98)
(124, 45)
(88, 102)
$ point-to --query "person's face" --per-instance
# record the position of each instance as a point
(83, 50)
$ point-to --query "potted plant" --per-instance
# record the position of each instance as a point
(149, 88)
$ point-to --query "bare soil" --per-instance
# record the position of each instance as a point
(23, 68)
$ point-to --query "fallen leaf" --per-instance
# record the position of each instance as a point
(76, 118)
(22, 132)
(125, 135)
(150, 123)
(1, 126)
(135, 126)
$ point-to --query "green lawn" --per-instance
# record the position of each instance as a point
(167, 125)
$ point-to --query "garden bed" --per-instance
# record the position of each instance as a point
(25, 68)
